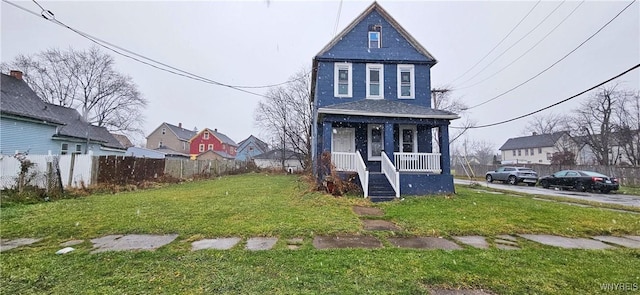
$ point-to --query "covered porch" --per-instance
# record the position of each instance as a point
(390, 150)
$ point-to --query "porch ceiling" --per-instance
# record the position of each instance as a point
(386, 108)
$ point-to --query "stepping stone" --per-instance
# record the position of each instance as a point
(506, 247)
(367, 211)
(371, 224)
(131, 242)
(637, 238)
(71, 243)
(321, 242)
(567, 243)
(10, 244)
(508, 238)
(629, 243)
(440, 291)
(475, 241)
(294, 243)
(217, 244)
(546, 200)
(506, 242)
(257, 244)
(425, 243)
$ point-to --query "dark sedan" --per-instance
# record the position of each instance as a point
(580, 181)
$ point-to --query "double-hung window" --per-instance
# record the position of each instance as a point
(64, 149)
(406, 81)
(201, 147)
(343, 83)
(78, 149)
(206, 135)
(210, 147)
(375, 81)
(374, 39)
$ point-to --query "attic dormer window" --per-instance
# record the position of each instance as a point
(374, 36)
(206, 135)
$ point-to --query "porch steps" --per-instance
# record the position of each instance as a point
(380, 190)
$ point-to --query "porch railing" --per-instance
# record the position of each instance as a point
(391, 173)
(344, 161)
(418, 162)
(363, 174)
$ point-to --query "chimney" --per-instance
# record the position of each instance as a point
(535, 133)
(180, 125)
(215, 130)
(16, 74)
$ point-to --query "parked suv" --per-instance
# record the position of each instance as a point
(513, 175)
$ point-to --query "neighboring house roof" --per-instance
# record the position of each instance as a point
(181, 133)
(277, 155)
(532, 141)
(223, 138)
(388, 18)
(219, 153)
(123, 139)
(259, 143)
(170, 153)
(20, 100)
(386, 108)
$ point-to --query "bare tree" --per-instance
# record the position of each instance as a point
(483, 151)
(547, 124)
(627, 131)
(443, 99)
(85, 80)
(595, 122)
(286, 115)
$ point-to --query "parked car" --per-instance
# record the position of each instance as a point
(580, 181)
(513, 175)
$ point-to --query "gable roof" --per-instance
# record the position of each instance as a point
(123, 139)
(219, 153)
(181, 133)
(532, 141)
(261, 144)
(376, 7)
(277, 155)
(18, 99)
(386, 108)
(223, 138)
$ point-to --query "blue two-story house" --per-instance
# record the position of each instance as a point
(371, 91)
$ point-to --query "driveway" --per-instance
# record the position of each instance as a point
(618, 199)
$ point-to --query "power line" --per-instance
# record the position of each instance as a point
(335, 27)
(555, 63)
(48, 15)
(515, 43)
(526, 52)
(494, 48)
(552, 105)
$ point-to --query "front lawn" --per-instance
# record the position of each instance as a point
(282, 206)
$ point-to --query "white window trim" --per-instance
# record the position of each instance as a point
(349, 67)
(62, 150)
(411, 69)
(210, 147)
(380, 67)
(206, 135)
(369, 129)
(369, 38)
(415, 136)
(201, 147)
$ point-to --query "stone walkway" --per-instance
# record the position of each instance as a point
(368, 217)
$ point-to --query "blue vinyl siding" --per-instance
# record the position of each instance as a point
(248, 149)
(355, 44)
(23, 136)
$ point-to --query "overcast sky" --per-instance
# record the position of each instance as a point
(265, 42)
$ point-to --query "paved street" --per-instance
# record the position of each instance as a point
(612, 198)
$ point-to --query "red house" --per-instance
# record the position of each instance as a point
(207, 139)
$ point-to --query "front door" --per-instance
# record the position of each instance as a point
(343, 140)
(408, 139)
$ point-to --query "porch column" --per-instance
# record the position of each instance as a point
(443, 138)
(388, 140)
(327, 131)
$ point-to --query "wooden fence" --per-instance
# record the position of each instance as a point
(84, 170)
(629, 176)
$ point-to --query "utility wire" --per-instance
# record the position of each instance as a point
(494, 48)
(555, 63)
(515, 43)
(552, 105)
(335, 27)
(48, 15)
(525, 53)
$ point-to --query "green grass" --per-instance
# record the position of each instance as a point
(282, 206)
